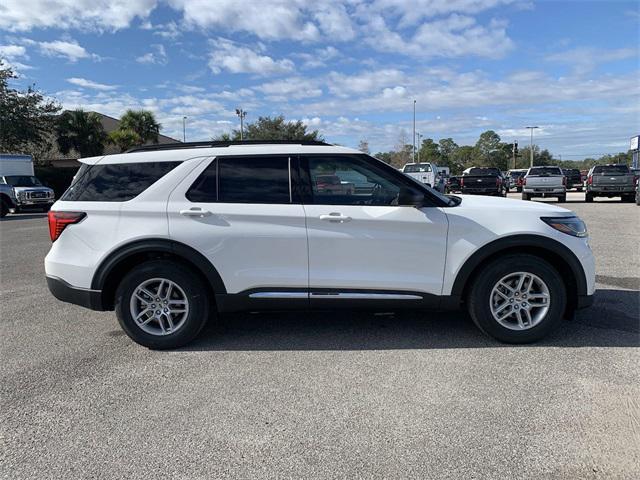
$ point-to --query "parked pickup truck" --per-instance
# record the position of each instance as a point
(423, 172)
(484, 181)
(544, 182)
(610, 181)
(7, 199)
(574, 178)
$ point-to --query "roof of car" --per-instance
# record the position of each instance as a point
(181, 154)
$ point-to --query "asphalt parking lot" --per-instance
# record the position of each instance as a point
(355, 395)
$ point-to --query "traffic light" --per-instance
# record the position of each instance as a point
(515, 148)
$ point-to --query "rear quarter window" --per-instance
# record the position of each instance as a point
(116, 182)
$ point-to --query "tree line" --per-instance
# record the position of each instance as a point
(488, 151)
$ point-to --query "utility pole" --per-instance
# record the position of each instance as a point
(419, 144)
(241, 113)
(414, 131)
(514, 152)
(531, 145)
(184, 129)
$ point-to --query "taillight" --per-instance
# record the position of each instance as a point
(524, 180)
(590, 180)
(498, 181)
(462, 182)
(58, 221)
(564, 181)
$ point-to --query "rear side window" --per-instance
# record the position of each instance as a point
(263, 179)
(115, 182)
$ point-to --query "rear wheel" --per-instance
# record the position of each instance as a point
(4, 208)
(162, 304)
(588, 197)
(628, 198)
(517, 299)
(526, 196)
(562, 198)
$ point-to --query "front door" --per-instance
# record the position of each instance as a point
(362, 243)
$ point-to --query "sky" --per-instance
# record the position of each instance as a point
(349, 68)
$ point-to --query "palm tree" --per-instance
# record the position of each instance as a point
(124, 139)
(80, 131)
(142, 122)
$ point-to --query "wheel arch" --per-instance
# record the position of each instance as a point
(554, 252)
(123, 259)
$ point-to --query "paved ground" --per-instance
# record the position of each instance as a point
(300, 396)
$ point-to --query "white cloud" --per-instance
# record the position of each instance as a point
(583, 59)
(295, 88)
(365, 82)
(83, 82)
(23, 15)
(158, 57)
(70, 50)
(11, 52)
(237, 58)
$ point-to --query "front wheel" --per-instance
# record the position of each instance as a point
(4, 208)
(562, 198)
(517, 299)
(162, 304)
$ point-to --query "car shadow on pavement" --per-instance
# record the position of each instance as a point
(613, 321)
(23, 216)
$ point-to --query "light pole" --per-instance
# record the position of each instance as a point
(184, 129)
(531, 144)
(241, 113)
(414, 132)
(419, 144)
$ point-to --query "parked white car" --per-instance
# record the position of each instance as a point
(423, 172)
(168, 236)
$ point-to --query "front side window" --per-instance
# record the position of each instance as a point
(342, 180)
(263, 179)
(116, 182)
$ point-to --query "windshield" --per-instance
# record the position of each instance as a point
(418, 167)
(611, 170)
(544, 171)
(22, 181)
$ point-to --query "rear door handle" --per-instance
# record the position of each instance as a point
(195, 212)
(335, 217)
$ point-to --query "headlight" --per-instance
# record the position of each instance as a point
(570, 225)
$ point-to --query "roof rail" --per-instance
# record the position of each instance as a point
(213, 144)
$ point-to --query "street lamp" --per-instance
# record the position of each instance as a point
(531, 145)
(184, 129)
(241, 113)
(414, 132)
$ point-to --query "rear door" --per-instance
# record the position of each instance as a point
(362, 244)
(240, 213)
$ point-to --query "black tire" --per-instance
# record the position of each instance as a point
(562, 198)
(637, 198)
(588, 197)
(196, 293)
(628, 198)
(526, 196)
(578, 189)
(478, 300)
(518, 189)
(4, 208)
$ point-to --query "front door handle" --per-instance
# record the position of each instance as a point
(335, 217)
(195, 212)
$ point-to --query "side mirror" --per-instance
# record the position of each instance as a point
(410, 198)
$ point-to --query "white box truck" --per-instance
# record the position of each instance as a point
(16, 171)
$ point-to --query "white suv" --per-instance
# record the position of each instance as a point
(170, 235)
